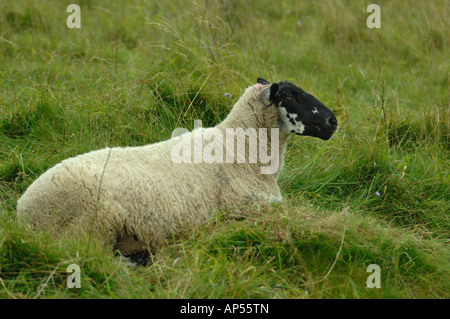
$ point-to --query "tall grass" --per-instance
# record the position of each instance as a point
(377, 193)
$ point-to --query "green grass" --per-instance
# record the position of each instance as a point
(377, 193)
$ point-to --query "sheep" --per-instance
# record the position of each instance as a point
(132, 198)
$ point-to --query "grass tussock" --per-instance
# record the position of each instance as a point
(376, 193)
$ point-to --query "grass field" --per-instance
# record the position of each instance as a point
(376, 193)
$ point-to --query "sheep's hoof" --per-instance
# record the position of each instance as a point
(142, 258)
(127, 261)
(131, 247)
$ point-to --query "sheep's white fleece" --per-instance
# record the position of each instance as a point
(141, 193)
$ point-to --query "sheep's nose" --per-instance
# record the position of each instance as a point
(332, 121)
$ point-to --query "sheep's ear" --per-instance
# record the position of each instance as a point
(269, 94)
(273, 92)
(262, 81)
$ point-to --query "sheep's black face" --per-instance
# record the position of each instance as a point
(300, 112)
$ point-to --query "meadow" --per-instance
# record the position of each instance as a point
(376, 193)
